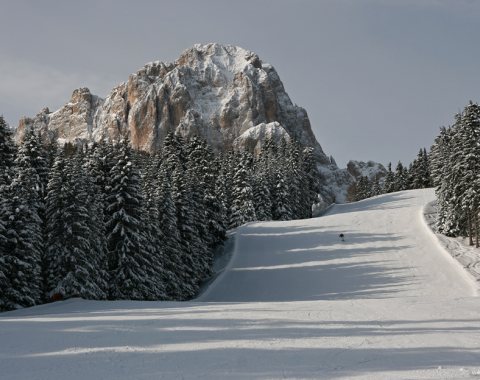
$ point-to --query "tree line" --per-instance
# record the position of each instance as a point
(416, 176)
(104, 221)
(455, 165)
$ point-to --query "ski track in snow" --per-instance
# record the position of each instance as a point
(294, 302)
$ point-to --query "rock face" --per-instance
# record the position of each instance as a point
(223, 93)
(253, 138)
(372, 170)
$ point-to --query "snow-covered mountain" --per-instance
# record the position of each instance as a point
(372, 170)
(224, 93)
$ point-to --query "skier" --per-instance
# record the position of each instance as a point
(342, 237)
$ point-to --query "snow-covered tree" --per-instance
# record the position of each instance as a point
(243, 208)
(312, 180)
(21, 210)
(401, 178)
(133, 272)
(420, 171)
(7, 154)
(389, 183)
(75, 262)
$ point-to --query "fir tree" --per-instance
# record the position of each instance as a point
(187, 230)
(7, 158)
(24, 234)
(169, 237)
(243, 208)
(376, 188)
(76, 262)
(132, 270)
(7, 155)
(401, 178)
(389, 183)
(312, 180)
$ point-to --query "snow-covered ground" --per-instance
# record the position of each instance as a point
(467, 256)
(294, 302)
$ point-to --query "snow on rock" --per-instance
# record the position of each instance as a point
(294, 302)
(335, 181)
(213, 90)
(73, 122)
(253, 138)
(372, 170)
(216, 91)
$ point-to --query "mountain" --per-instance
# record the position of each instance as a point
(372, 170)
(223, 93)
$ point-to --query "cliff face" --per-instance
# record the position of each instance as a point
(372, 170)
(223, 93)
(216, 91)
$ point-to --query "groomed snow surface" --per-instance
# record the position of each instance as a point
(294, 302)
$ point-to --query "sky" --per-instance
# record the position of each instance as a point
(378, 78)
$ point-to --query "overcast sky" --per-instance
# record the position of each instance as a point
(378, 78)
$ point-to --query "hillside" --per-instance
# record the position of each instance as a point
(294, 302)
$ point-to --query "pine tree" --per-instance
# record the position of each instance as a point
(389, 183)
(376, 188)
(441, 169)
(96, 211)
(401, 178)
(261, 195)
(24, 234)
(224, 183)
(75, 261)
(312, 180)
(7, 155)
(363, 189)
(132, 270)
(466, 167)
(169, 237)
(294, 174)
(243, 208)
(281, 204)
(200, 188)
(7, 158)
(187, 231)
(33, 157)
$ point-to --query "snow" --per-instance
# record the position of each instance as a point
(372, 170)
(465, 255)
(293, 302)
(257, 135)
(336, 181)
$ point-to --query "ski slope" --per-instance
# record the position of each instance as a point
(294, 302)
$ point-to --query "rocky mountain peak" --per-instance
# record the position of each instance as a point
(370, 169)
(222, 93)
